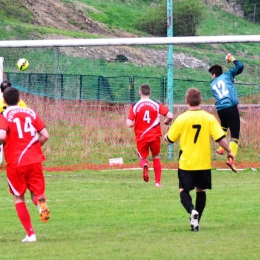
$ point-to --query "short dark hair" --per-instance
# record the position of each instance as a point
(193, 97)
(216, 69)
(145, 90)
(11, 96)
(5, 84)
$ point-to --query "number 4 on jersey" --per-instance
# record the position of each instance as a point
(147, 117)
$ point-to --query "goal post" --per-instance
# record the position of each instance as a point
(83, 89)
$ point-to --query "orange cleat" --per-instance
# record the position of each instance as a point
(43, 210)
(231, 164)
(220, 151)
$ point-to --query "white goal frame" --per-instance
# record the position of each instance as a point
(126, 41)
(130, 41)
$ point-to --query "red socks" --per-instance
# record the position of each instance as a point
(156, 166)
(157, 170)
(143, 162)
(24, 216)
(35, 199)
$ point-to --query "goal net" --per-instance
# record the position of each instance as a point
(83, 90)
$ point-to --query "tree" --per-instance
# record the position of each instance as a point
(187, 16)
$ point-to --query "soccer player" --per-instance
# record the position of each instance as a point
(23, 133)
(224, 91)
(144, 116)
(194, 129)
(6, 84)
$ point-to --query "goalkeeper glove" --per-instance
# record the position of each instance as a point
(230, 58)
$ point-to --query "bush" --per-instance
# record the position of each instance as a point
(187, 15)
(154, 22)
(251, 10)
(121, 58)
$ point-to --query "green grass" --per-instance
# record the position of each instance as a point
(114, 14)
(53, 61)
(115, 215)
(118, 14)
(218, 22)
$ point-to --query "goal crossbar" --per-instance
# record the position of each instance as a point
(130, 41)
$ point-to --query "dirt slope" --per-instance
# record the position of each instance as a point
(57, 14)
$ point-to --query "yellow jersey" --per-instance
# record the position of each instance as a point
(194, 129)
(3, 105)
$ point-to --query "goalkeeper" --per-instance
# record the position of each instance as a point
(224, 91)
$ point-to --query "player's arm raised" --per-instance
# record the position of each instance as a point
(239, 67)
(230, 58)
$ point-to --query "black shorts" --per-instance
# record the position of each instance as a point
(188, 180)
(229, 118)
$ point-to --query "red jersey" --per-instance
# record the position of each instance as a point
(146, 114)
(21, 146)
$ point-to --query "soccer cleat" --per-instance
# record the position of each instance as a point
(43, 209)
(194, 220)
(30, 239)
(146, 173)
(231, 164)
(220, 151)
(157, 184)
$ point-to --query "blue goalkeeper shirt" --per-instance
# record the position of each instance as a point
(223, 87)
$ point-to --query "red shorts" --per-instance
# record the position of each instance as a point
(26, 177)
(144, 147)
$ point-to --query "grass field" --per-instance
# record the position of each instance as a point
(115, 215)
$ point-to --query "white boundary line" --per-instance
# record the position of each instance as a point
(166, 169)
(229, 169)
(135, 169)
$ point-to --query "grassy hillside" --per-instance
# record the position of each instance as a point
(115, 18)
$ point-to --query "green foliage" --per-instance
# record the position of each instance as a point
(117, 14)
(121, 58)
(217, 22)
(187, 16)
(15, 10)
(154, 21)
(252, 11)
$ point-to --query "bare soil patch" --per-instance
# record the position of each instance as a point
(57, 14)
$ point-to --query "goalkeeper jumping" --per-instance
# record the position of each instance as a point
(224, 91)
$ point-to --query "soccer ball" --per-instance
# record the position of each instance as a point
(22, 64)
